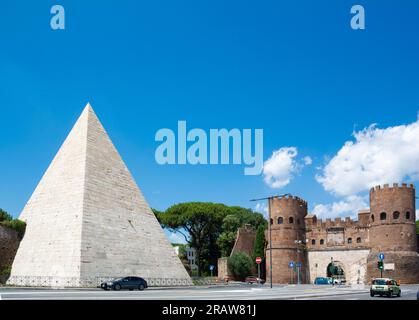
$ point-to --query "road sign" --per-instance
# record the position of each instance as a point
(381, 256)
(211, 267)
(291, 264)
(258, 260)
(299, 264)
(389, 266)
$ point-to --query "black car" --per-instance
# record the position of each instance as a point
(130, 283)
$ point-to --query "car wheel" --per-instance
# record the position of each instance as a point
(390, 294)
(372, 294)
(117, 287)
(141, 287)
(399, 294)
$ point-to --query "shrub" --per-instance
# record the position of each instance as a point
(6, 271)
(240, 265)
(4, 216)
(16, 225)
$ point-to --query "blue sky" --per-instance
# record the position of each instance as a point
(297, 70)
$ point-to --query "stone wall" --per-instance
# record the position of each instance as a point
(245, 241)
(223, 268)
(9, 242)
(406, 266)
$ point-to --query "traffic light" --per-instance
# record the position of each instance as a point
(380, 265)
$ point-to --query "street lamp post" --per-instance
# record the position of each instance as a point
(297, 242)
(299, 264)
(270, 241)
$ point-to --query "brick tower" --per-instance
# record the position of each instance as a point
(393, 232)
(287, 223)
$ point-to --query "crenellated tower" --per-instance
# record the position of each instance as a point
(288, 239)
(393, 232)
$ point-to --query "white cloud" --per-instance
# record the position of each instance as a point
(377, 156)
(307, 160)
(347, 207)
(280, 168)
(262, 208)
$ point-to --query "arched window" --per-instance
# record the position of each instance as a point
(272, 221)
(280, 220)
(313, 241)
(358, 240)
(291, 220)
(396, 215)
(321, 241)
(383, 216)
(407, 215)
(349, 240)
(372, 218)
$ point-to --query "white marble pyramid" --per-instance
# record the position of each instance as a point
(88, 221)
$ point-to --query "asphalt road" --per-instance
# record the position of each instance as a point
(236, 292)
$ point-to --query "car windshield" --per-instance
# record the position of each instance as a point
(117, 279)
(380, 282)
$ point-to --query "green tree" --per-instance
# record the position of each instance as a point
(210, 228)
(4, 216)
(228, 235)
(237, 218)
(260, 242)
(240, 265)
(417, 227)
(199, 223)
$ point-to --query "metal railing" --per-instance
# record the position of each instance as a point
(91, 282)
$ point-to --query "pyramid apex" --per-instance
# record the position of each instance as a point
(88, 107)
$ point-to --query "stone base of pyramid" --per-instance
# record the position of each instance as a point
(88, 282)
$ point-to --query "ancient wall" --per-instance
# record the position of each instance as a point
(404, 266)
(338, 234)
(9, 242)
(352, 261)
(245, 241)
(222, 267)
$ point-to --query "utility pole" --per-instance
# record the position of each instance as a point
(270, 229)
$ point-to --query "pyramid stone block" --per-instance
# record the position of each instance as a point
(87, 220)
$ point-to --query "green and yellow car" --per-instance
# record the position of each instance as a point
(385, 287)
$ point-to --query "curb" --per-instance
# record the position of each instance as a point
(326, 295)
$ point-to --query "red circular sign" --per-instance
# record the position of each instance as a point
(258, 260)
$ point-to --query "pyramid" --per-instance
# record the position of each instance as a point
(87, 220)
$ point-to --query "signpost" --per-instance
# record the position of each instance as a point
(380, 263)
(211, 267)
(291, 265)
(258, 261)
(299, 264)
